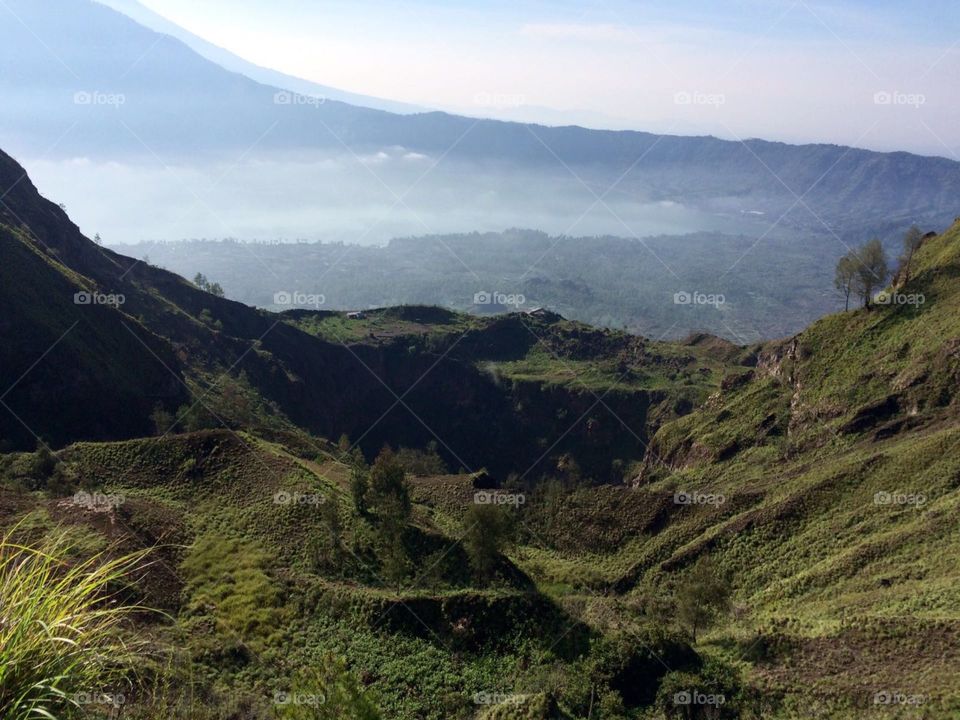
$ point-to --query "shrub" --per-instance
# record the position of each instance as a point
(59, 628)
(328, 692)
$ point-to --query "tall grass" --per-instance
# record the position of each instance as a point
(60, 623)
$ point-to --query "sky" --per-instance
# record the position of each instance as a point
(878, 74)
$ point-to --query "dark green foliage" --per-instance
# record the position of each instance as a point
(163, 421)
(359, 488)
(389, 494)
(328, 691)
(715, 692)
(326, 547)
(40, 470)
(487, 530)
(207, 318)
(389, 498)
(422, 462)
(702, 597)
(195, 417)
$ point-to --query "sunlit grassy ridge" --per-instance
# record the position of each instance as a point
(839, 463)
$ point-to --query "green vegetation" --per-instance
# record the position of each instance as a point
(487, 530)
(200, 280)
(61, 645)
(702, 597)
(865, 270)
(389, 497)
(664, 530)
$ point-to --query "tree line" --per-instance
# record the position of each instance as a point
(863, 271)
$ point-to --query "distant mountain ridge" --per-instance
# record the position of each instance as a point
(118, 91)
(228, 60)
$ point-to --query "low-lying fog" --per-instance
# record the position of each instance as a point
(356, 199)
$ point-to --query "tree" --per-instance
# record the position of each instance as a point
(872, 270)
(912, 240)
(422, 463)
(394, 561)
(489, 528)
(845, 277)
(389, 494)
(193, 418)
(326, 547)
(702, 597)
(201, 281)
(162, 420)
(359, 487)
(389, 497)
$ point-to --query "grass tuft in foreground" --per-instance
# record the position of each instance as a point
(60, 621)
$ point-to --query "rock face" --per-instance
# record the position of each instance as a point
(774, 360)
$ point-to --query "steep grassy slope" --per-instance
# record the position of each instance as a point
(879, 371)
(73, 370)
(421, 375)
(837, 465)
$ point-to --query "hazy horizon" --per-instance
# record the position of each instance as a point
(797, 72)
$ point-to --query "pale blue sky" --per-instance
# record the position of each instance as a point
(879, 74)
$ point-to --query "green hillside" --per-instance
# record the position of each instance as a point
(571, 523)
